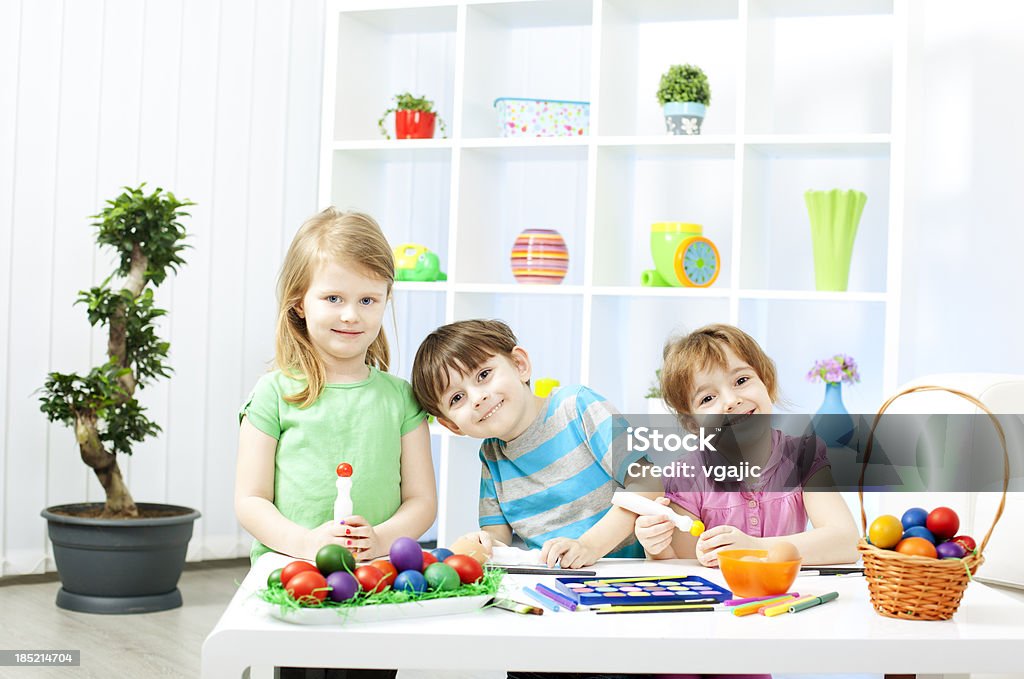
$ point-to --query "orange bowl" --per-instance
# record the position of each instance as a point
(756, 578)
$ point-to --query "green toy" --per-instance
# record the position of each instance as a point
(414, 262)
(683, 257)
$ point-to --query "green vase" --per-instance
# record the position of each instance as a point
(834, 218)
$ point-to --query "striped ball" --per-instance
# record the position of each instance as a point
(540, 256)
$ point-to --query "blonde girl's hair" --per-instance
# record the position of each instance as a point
(330, 236)
(703, 348)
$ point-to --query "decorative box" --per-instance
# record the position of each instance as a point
(542, 117)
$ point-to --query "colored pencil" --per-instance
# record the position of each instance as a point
(557, 597)
(516, 607)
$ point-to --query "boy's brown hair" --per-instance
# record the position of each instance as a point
(703, 348)
(462, 345)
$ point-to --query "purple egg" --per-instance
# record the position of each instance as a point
(949, 550)
(406, 555)
(343, 586)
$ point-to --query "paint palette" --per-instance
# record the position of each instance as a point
(663, 589)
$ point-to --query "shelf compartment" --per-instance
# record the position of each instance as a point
(641, 40)
(416, 315)
(795, 334)
(407, 191)
(527, 49)
(628, 335)
(549, 327)
(506, 190)
(776, 251)
(637, 186)
(818, 74)
(381, 53)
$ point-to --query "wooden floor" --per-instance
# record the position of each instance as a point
(163, 644)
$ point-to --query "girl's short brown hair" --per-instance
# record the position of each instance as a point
(703, 348)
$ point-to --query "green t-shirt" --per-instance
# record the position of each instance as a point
(361, 423)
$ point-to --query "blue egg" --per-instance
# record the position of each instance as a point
(441, 553)
(410, 581)
(919, 532)
(915, 516)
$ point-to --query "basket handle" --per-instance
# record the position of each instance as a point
(955, 392)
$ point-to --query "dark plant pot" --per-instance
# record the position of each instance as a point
(414, 124)
(119, 565)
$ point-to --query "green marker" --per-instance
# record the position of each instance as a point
(816, 601)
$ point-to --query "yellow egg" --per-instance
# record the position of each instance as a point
(783, 551)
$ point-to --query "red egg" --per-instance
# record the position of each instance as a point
(389, 571)
(307, 587)
(428, 559)
(468, 568)
(293, 569)
(371, 579)
(943, 523)
(967, 542)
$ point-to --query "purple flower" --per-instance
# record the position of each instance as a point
(834, 370)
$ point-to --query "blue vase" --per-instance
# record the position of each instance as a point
(832, 423)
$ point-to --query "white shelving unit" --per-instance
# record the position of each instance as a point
(805, 94)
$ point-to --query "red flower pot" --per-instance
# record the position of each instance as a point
(414, 124)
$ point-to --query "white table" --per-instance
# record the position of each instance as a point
(845, 636)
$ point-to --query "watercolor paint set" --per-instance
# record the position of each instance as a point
(634, 591)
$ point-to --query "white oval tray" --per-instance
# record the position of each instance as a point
(380, 612)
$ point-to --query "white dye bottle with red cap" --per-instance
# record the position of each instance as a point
(343, 503)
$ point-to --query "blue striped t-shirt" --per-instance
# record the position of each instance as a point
(556, 478)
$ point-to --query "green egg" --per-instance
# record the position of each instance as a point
(275, 578)
(441, 577)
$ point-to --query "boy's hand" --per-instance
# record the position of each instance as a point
(482, 538)
(654, 531)
(722, 537)
(569, 553)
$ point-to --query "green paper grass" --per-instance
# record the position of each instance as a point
(277, 596)
(834, 217)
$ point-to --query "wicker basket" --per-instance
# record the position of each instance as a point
(918, 587)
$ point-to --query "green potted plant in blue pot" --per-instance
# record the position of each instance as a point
(684, 95)
(121, 556)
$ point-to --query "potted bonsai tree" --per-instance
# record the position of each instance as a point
(684, 95)
(414, 118)
(121, 556)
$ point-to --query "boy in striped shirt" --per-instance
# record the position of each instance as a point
(547, 471)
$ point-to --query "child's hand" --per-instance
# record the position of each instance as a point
(361, 539)
(722, 537)
(569, 553)
(654, 531)
(329, 532)
(484, 539)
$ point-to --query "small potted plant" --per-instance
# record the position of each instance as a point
(414, 118)
(684, 95)
(121, 556)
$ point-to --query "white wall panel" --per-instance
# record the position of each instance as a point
(216, 101)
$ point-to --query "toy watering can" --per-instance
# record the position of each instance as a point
(414, 262)
(683, 257)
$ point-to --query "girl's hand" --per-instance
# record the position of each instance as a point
(329, 532)
(569, 553)
(722, 537)
(361, 539)
(654, 531)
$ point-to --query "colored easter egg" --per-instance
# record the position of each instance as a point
(307, 587)
(943, 522)
(371, 579)
(967, 542)
(919, 532)
(428, 558)
(274, 578)
(441, 577)
(441, 553)
(949, 550)
(471, 546)
(539, 256)
(885, 531)
(916, 547)
(332, 557)
(468, 568)
(293, 569)
(410, 581)
(343, 585)
(388, 569)
(406, 555)
(915, 516)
